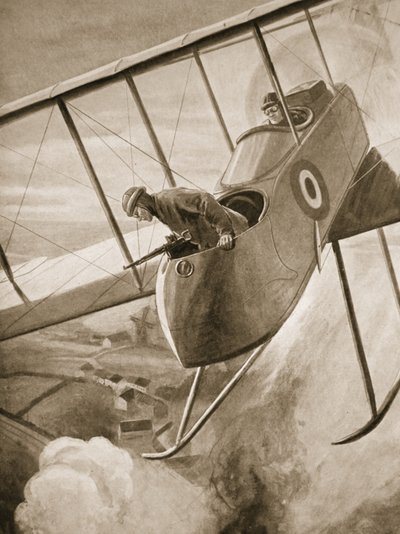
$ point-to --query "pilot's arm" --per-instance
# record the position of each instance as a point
(205, 205)
(216, 216)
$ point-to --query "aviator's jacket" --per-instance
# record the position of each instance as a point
(197, 211)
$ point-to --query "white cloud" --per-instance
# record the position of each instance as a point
(94, 487)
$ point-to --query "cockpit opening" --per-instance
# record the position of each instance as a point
(249, 203)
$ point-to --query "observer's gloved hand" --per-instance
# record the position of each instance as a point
(226, 242)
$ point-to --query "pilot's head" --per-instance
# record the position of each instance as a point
(272, 109)
(139, 204)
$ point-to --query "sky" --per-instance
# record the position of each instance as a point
(52, 40)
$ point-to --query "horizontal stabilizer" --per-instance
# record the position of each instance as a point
(372, 200)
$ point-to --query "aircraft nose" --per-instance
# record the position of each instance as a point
(229, 302)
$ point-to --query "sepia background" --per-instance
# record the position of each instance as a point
(264, 463)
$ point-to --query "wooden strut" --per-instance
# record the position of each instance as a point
(319, 48)
(266, 58)
(183, 439)
(150, 130)
(377, 414)
(98, 189)
(317, 245)
(213, 100)
(5, 265)
(389, 266)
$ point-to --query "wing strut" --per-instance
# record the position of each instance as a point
(274, 77)
(376, 414)
(317, 245)
(214, 102)
(150, 130)
(389, 265)
(319, 47)
(98, 189)
(351, 314)
(5, 265)
(183, 438)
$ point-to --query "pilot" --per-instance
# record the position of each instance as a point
(209, 223)
(273, 111)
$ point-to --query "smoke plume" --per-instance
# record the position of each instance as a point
(96, 488)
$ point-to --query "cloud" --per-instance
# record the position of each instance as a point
(40, 193)
(81, 487)
(95, 487)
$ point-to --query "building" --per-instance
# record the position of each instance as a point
(118, 339)
(139, 383)
(163, 428)
(106, 344)
(138, 431)
(162, 437)
(100, 376)
(146, 328)
(126, 400)
(117, 382)
(93, 361)
(160, 410)
(88, 369)
(96, 339)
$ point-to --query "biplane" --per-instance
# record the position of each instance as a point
(300, 187)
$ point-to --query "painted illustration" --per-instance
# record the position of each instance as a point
(199, 252)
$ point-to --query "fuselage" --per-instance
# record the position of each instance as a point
(216, 304)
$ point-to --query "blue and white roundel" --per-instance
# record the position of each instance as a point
(309, 189)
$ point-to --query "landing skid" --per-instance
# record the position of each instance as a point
(182, 438)
(376, 419)
(377, 414)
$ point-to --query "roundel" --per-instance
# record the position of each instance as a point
(309, 189)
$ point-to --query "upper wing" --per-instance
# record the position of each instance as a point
(173, 50)
(72, 149)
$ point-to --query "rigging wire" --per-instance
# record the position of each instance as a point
(395, 139)
(154, 274)
(38, 164)
(90, 263)
(132, 164)
(376, 52)
(39, 272)
(172, 146)
(359, 107)
(370, 74)
(34, 306)
(326, 257)
(110, 147)
(126, 141)
(113, 284)
(372, 168)
(15, 223)
(130, 134)
(180, 111)
(375, 15)
(148, 249)
(355, 104)
(362, 103)
(30, 177)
